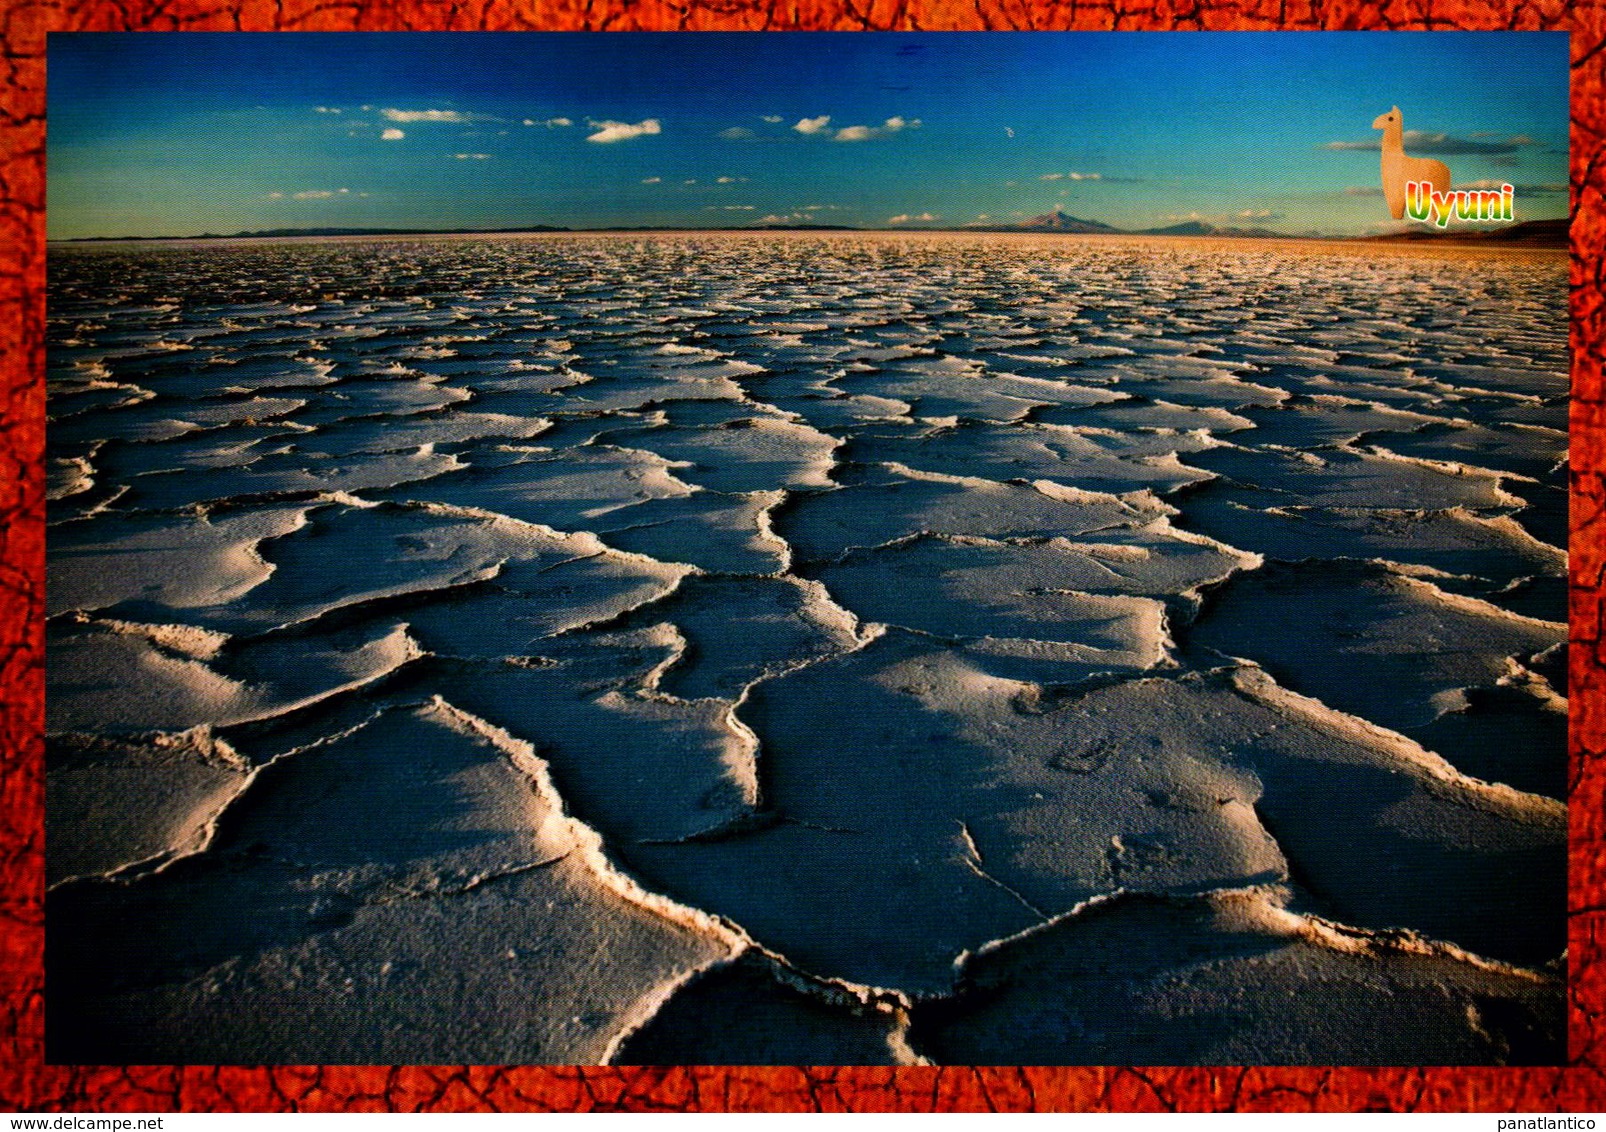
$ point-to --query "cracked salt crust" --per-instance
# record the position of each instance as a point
(522, 671)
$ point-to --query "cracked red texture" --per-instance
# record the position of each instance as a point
(27, 1084)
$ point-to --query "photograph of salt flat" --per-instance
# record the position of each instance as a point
(804, 549)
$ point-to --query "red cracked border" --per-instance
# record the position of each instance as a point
(26, 1083)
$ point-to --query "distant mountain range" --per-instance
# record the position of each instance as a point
(280, 233)
(1057, 221)
(1539, 233)
(1199, 228)
(1535, 233)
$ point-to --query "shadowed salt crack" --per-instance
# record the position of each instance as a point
(578, 842)
(591, 848)
(1391, 940)
(1137, 994)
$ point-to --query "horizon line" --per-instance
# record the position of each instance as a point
(1177, 229)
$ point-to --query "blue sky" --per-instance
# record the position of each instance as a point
(181, 133)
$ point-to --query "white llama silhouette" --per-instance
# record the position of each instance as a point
(1399, 168)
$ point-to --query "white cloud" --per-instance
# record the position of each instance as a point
(730, 180)
(892, 125)
(472, 156)
(729, 208)
(772, 119)
(905, 218)
(275, 196)
(622, 131)
(312, 194)
(813, 125)
(392, 134)
(1419, 142)
(652, 180)
(327, 109)
(773, 219)
(1009, 131)
(736, 133)
(549, 123)
(1052, 177)
(1072, 177)
(424, 115)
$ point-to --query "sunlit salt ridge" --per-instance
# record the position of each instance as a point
(898, 648)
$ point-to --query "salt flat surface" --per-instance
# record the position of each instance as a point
(806, 649)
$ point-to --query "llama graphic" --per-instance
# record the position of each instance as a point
(1398, 167)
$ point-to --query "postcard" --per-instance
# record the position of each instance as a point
(890, 548)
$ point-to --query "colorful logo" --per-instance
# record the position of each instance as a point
(1419, 187)
(1425, 203)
